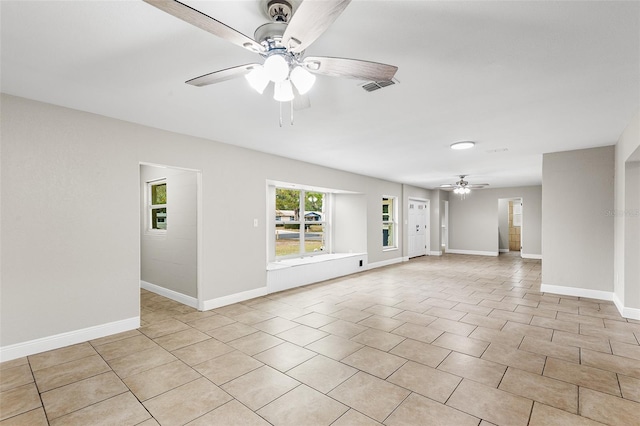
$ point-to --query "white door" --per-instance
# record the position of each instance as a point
(418, 217)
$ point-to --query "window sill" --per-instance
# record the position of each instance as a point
(390, 249)
(306, 260)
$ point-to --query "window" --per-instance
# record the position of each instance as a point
(388, 222)
(157, 196)
(300, 222)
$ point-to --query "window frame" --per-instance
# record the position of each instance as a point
(151, 207)
(391, 221)
(302, 222)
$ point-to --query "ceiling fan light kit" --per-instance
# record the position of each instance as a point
(462, 187)
(302, 79)
(282, 42)
(283, 91)
(258, 79)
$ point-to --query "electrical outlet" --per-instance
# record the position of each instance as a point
(255, 223)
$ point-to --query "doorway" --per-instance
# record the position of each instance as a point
(510, 225)
(444, 237)
(418, 229)
(170, 217)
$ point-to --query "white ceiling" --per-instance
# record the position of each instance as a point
(525, 77)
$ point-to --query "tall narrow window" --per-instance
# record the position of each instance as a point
(300, 222)
(388, 222)
(157, 191)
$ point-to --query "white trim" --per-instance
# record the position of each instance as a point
(384, 263)
(577, 292)
(473, 252)
(406, 258)
(233, 298)
(170, 294)
(18, 350)
(435, 253)
(504, 250)
(618, 303)
(631, 313)
(531, 256)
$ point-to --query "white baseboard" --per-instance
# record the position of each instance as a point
(7, 353)
(503, 250)
(384, 263)
(232, 298)
(473, 252)
(435, 253)
(577, 292)
(531, 256)
(631, 313)
(170, 294)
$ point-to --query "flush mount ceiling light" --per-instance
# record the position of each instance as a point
(462, 145)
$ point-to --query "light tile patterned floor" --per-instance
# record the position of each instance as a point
(452, 340)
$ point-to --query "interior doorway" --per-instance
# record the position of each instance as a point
(170, 219)
(510, 225)
(444, 237)
(418, 228)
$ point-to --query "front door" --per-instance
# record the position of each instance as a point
(418, 214)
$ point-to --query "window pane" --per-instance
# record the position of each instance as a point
(159, 194)
(159, 218)
(287, 239)
(314, 207)
(287, 205)
(387, 209)
(387, 235)
(314, 237)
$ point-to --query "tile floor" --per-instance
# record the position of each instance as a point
(452, 340)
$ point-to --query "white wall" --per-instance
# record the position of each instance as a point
(577, 194)
(632, 234)
(70, 222)
(169, 260)
(71, 205)
(473, 221)
(626, 289)
(350, 223)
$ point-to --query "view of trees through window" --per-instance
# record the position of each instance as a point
(158, 205)
(388, 222)
(300, 222)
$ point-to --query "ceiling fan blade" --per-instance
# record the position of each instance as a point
(350, 68)
(312, 18)
(477, 185)
(448, 186)
(222, 75)
(207, 23)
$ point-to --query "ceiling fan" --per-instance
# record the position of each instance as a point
(462, 187)
(282, 43)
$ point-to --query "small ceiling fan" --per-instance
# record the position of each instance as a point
(282, 43)
(462, 187)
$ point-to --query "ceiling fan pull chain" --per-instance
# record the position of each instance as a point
(291, 103)
(280, 106)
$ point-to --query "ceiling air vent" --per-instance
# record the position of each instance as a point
(375, 85)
